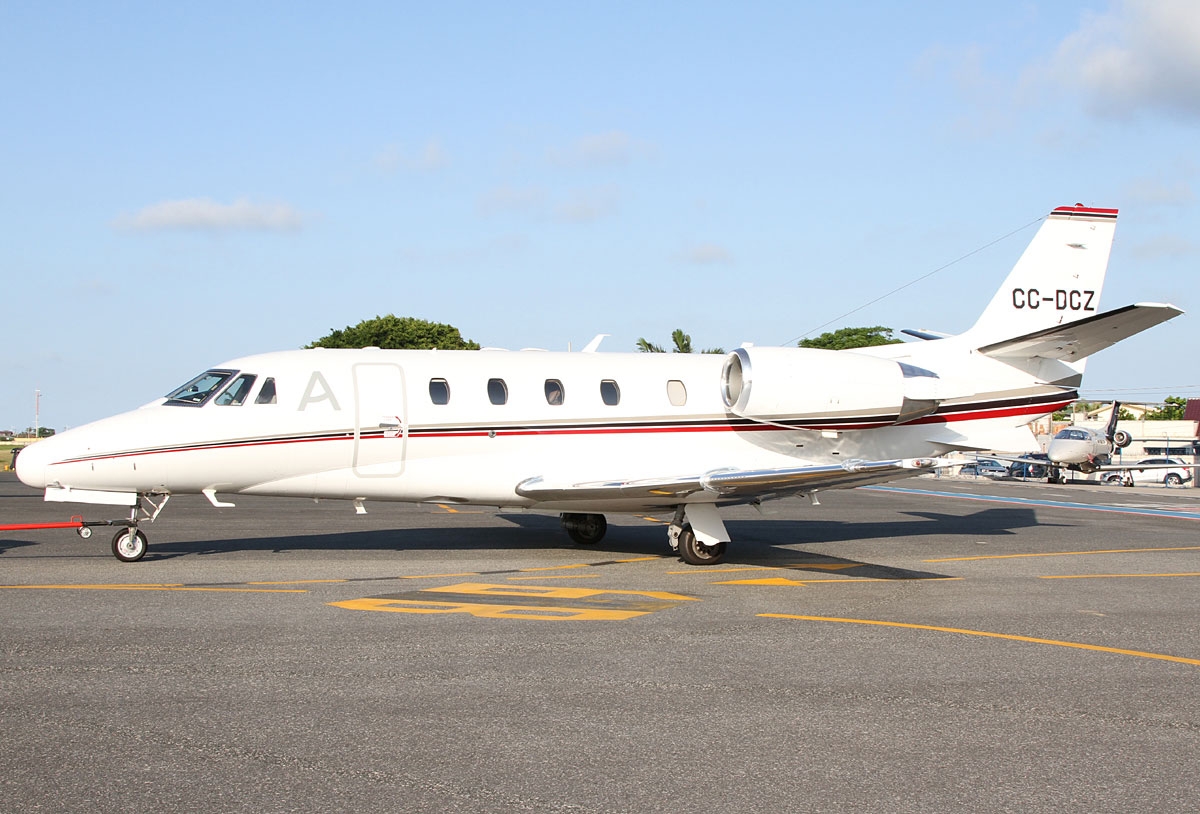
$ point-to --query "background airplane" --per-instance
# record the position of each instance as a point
(584, 434)
(1082, 449)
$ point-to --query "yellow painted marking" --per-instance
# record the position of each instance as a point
(154, 588)
(555, 567)
(786, 581)
(452, 510)
(544, 613)
(650, 519)
(299, 582)
(551, 592)
(986, 634)
(1064, 554)
(555, 576)
(1122, 576)
(702, 572)
(441, 576)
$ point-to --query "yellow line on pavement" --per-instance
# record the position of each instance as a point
(153, 588)
(986, 634)
(555, 567)
(1064, 554)
(440, 576)
(1121, 576)
(555, 576)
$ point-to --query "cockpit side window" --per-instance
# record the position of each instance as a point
(267, 394)
(235, 394)
(200, 389)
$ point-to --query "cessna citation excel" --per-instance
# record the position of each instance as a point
(587, 434)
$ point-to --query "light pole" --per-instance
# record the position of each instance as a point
(37, 413)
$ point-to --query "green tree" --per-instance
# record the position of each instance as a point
(394, 332)
(682, 342)
(846, 338)
(1074, 407)
(1172, 410)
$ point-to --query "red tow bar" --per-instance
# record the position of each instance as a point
(76, 522)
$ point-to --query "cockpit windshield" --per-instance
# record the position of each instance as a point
(200, 389)
(235, 394)
(1073, 435)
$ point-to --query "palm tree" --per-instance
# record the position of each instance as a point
(683, 344)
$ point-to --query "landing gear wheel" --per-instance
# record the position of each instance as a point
(129, 545)
(694, 552)
(585, 529)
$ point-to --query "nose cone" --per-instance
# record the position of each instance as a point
(31, 465)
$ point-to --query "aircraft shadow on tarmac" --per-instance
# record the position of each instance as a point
(769, 543)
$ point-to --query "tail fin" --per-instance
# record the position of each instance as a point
(1057, 280)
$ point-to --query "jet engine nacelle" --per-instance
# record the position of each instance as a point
(774, 384)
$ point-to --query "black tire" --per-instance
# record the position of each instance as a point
(694, 552)
(1173, 479)
(1112, 479)
(129, 545)
(585, 529)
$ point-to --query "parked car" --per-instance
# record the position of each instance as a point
(1177, 475)
(985, 467)
(1029, 469)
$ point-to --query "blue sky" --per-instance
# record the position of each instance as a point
(184, 184)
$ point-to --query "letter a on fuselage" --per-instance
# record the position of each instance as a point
(318, 390)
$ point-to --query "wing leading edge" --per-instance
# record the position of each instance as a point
(731, 485)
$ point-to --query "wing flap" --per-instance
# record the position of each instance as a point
(732, 484)
(1080, 339)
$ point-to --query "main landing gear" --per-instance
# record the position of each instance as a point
(696, 533)
(584, 529)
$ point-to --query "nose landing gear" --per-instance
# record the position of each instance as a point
(129, 545)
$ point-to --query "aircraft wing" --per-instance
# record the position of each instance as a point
(1082, 338)
(733, 485)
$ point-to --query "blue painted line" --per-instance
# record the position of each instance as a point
(1054, 504)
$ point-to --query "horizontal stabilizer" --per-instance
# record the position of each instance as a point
(735, 485)
(1080, 339)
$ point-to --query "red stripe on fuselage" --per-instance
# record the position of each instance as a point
(949, 417)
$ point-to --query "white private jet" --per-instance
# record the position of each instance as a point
(1082, 449)
(585, 434)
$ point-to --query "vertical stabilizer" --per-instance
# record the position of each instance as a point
(1057, 280)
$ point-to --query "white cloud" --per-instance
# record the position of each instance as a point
(504, 200)
(600, 149)
(1166, 247)
(706, 254)
(586, 206)
(1141, 56)
(1158, 192)
(426, 159)
(205, 214)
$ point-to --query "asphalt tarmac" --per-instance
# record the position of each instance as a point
(940, 645)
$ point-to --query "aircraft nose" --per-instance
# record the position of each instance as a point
(31, 465)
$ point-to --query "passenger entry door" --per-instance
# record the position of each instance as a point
(380, 420)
